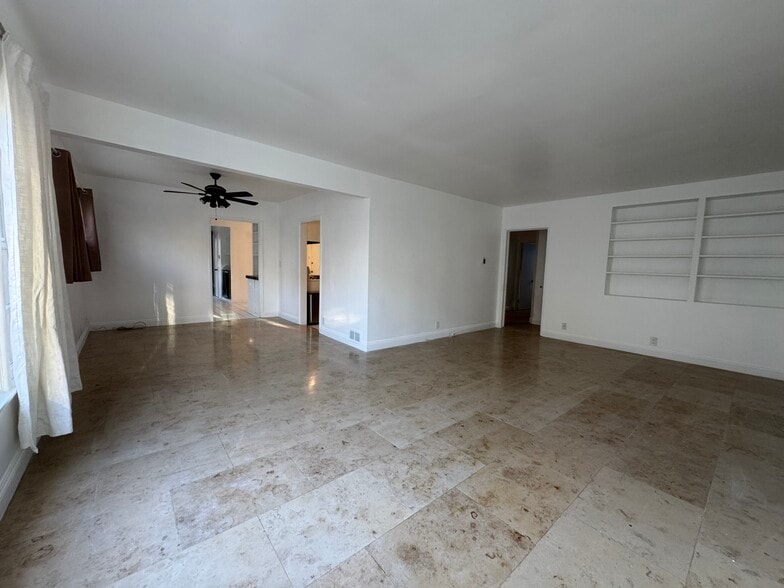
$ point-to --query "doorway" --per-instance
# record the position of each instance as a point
(525, 277)
(234, 269)
(311, 255)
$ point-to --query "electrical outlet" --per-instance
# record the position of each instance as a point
(438, 325)
(563, 326)
(653, 342)
(357, 337)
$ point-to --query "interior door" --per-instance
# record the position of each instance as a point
(527, 273)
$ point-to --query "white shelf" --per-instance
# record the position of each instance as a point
(744, 256)
(648, 274)
(746, 236)
(654, 220)
(654, 239)
(742, 214)
(674, 256)
(738, 277)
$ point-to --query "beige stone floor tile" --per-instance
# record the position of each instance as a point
(358, 570)
(339, 452)
(575, 554)
(451, 542)
(655, 525)
(209, 506)
(168, 409)
(317, 531)
(743, 516)
(710, 569)
(757, 420)
(467, 430)
(199, 457)
(128, 540)
(424, 470)
(244, 444)
(402, 426)
(528, 497)
(762, 446)
(240, 556)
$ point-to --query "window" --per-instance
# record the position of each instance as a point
(5, 354)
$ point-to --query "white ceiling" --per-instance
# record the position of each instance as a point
(105, 160)
(506, 101)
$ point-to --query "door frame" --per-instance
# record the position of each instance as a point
(303, 273)
(501, 299)
(259, 223)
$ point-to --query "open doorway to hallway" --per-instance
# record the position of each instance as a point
(235, 273)
(311, 252)
(525, 278)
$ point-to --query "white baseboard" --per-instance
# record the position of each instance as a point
(427, 336)
(340, 338)
(82, 339)
(11, 477)
(289, 317)
(664, 354)
(151, 322)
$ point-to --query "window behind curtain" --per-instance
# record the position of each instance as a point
(5, 355)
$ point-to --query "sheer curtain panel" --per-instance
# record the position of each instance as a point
(44, 362)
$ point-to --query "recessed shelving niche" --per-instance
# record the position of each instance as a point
(720, 250)
(651, 250)
(742, 251)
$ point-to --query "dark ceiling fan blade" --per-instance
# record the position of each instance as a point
(178, 192)
(251, 202)
(192, 186)
(240, 194)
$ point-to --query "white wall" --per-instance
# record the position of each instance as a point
(78, 293)
(741, 338)
(155, 252)
(344, 262)
(426, 265)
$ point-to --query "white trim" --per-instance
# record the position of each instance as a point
(341, 338)
(288, 317)
(12, 476)
(82, 339)
(427, 336)
(151, 322)
(671, 355)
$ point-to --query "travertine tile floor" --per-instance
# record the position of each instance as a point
(256, 453)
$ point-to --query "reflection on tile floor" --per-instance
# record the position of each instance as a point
(258, 453)
(227, 310)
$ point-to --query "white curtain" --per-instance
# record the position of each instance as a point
(45, 366)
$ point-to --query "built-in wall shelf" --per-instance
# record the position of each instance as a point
(742, 251)
(720, 250)
(651, 248)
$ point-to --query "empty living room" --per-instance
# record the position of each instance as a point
(430, 294)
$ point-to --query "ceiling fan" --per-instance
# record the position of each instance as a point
(216, 196)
